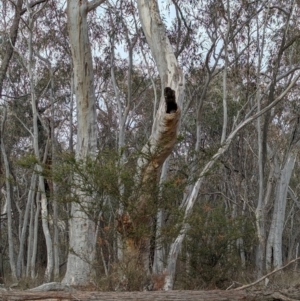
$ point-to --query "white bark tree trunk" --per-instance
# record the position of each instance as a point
(25, 223)
(46, 231)
(169, 71)
(158, 266)
(274, 243)
(35, 237)
(53, 159)
(36, 147)
(82, 228)
(30, 238)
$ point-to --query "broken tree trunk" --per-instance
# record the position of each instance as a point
(136, 228)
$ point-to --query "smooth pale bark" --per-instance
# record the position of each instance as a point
(260, 213)
(8, 200)
(25, 223)
(41, 185)
(36, 147)
(165, 126)
(54, 189)
(274, 243)
(169, 71)
(53, 159)
(295, 231)
(82, 229)
(35, 237)
(46, 231)
(30, 239)
(158, 266)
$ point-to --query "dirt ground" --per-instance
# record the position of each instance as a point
(214, 295)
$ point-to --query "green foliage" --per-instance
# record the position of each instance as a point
(211, 248)
(95, 179)
(28, 161)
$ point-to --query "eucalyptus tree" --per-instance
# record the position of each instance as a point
(29, 65)
(8, 199)
(164, 128)
(278, 79)
(9, 42)
(82, 228)
(82, 234)
(238, 68)
(232, 24)
(274, 248)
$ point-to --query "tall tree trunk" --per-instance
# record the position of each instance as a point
(8, 201)
(30, 238)
(274, 243)
(36, 147)
(53, 162)
(260, 208)
(164, 129)
(158, 266)
(35, 237)
(8, 48)
(82, 228)
(25, 223)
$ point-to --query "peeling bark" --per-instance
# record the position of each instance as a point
(164, 132)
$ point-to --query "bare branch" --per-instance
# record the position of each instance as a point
(10, 44)
(291, 42)
(94, 4)
(279, 8)
(31, 5)
(267, 275)
(24, 125)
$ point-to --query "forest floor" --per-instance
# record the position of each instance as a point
(213, 295)
(280, 287)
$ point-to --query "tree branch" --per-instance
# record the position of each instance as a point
(267, 275)
(94, 4)
(31, 5)
(9, 45)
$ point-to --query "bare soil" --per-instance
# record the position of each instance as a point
(213, 295)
